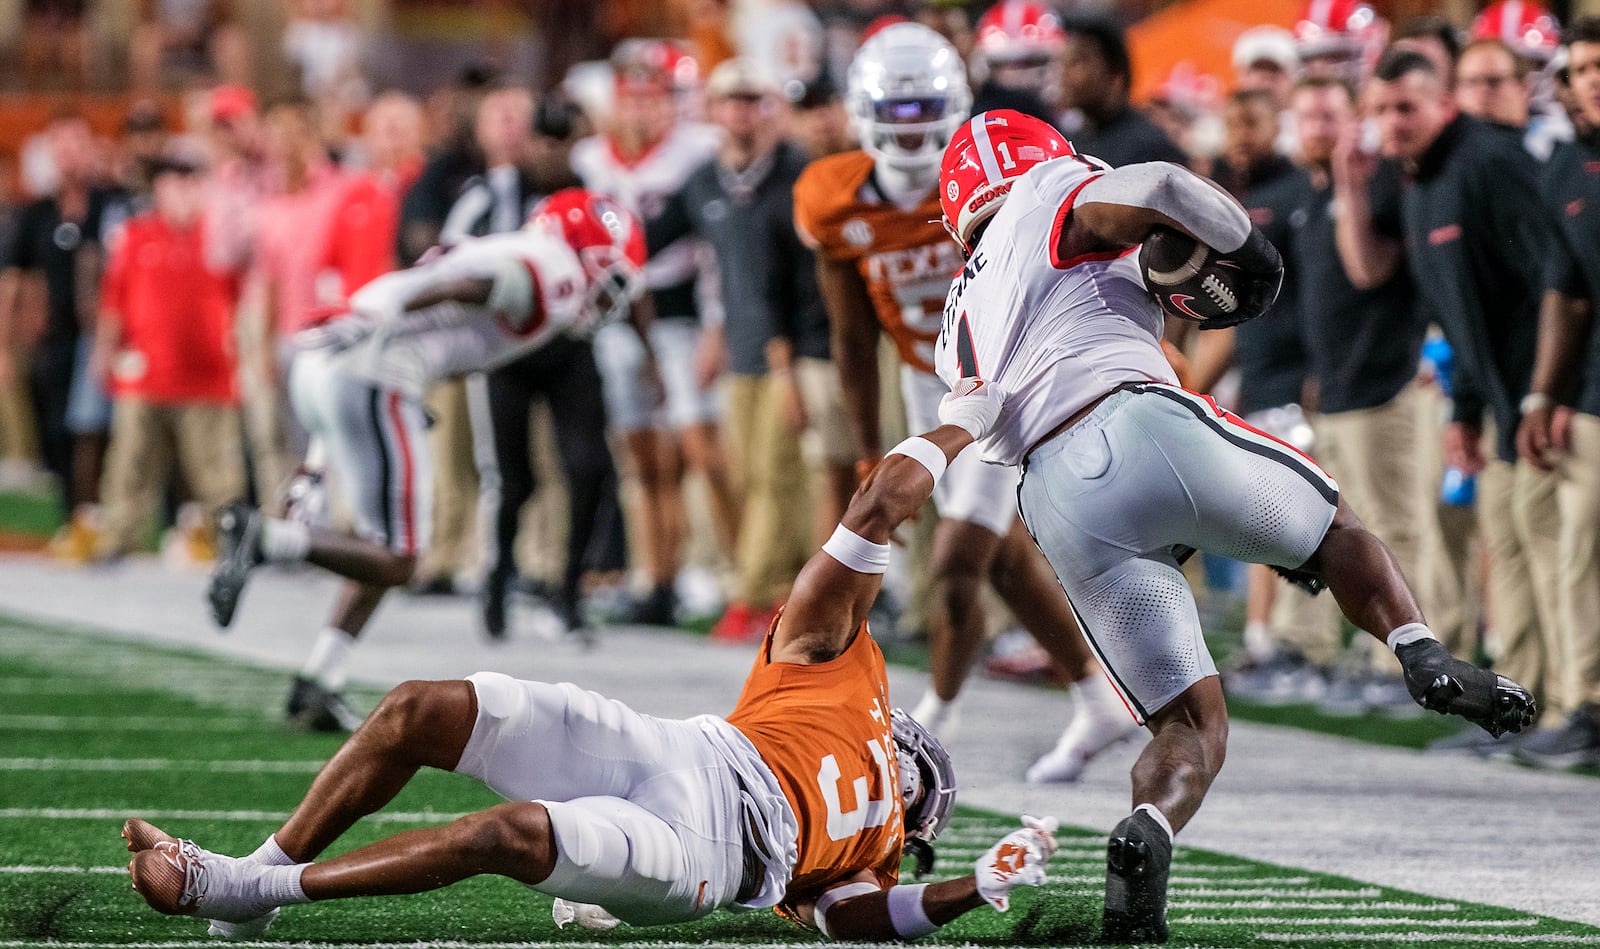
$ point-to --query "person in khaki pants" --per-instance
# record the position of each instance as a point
(169, 364)
(1560, 430)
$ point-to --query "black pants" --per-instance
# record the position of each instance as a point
(562, 373)
(50, 388)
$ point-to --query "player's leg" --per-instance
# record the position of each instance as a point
(693, 413)
(963, 553)
(1259, 500)
(417, 724)
(1097, 719)
(631, 409)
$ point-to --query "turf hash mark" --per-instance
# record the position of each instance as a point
(101, 728)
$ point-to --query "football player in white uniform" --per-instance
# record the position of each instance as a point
(883, 265)
(357, 385)
(1124, 472)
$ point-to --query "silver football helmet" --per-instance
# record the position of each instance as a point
(907, 94)
(927, 779)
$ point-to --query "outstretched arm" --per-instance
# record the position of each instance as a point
(860, 910)
(837, 585)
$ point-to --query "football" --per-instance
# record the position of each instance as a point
(1190, 280)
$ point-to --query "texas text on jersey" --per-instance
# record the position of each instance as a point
(1103, 327)
(839, 772)
(903, 255)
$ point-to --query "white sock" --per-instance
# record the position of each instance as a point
(1158, 817)
(281, 885)
(1408, 634)
(284, 541)
(269, 854)
(931, 707)
(1099, 700)
(329, 662)
(1258, 644)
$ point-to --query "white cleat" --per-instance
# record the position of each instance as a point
(586, 915)
(1083, 738)
(179, 878)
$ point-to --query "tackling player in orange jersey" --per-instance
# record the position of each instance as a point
(804, 798)
(884, 266)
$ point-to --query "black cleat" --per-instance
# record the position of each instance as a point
(316, 709)
(1442, 683)
(238, 552)
(658, 608)
(1138, 859)
(492, 603)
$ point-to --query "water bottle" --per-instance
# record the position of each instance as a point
(1459, 488)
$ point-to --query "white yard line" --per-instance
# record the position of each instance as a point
(1464, 938)
(125, 723)
(105, 813)
(1352, 921)
(1395, 906)
(160, 764)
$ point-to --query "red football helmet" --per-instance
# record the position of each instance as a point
(608, 240)
(1527, 27)
(1341, 30)
(990, 152)
(664, 65)
(1019, 30)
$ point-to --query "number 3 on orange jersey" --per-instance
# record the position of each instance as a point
(867, 813)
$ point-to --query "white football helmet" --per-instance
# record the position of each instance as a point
(907, 94)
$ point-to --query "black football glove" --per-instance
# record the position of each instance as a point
(1258, 287)
(1447, 685)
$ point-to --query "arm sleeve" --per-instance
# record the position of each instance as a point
(1168, 189)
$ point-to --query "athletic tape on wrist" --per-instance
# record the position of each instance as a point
(925, 453)
(838, 894)
(856, 552)
(1408, 634)
(906, 915)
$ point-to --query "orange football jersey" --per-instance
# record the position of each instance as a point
(824, 731)
(905, 257)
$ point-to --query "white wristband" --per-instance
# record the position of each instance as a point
(1408, 634)
(856, 552)
(925, 453)
(906, 915)
(838, 894)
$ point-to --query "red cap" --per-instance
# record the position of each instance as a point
(230, 102)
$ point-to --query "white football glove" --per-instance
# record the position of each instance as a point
(973, 405)
(1017, 860)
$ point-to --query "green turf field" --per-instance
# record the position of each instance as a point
(95, 729)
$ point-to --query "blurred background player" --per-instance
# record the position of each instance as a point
(1339, 38)
(1515, 87)
(358, 386)
(646, 152)
(1017, 55)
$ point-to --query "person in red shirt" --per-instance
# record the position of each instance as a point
(168, 362)
(364, 232)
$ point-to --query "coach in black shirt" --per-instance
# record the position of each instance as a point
(1561, 422)
(1096, 78)
(1482, 248)
(741, 203)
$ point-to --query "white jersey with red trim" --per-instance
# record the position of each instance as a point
(644, 185)
(1053, 334)
(410, 350)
